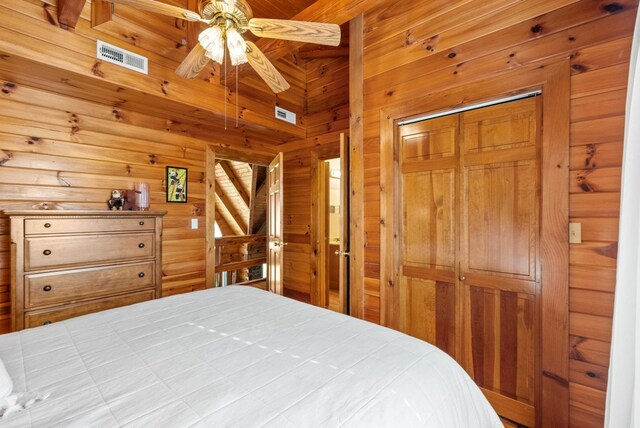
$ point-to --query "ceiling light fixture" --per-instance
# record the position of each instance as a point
(212, 41)
(237, 47)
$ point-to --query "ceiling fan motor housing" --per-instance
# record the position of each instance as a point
(240, 15)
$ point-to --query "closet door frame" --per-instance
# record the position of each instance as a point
(553, 78)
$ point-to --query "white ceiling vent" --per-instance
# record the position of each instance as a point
(124, 58)
(285, 115)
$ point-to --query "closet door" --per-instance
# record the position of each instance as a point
(426, 263)
(499, 262)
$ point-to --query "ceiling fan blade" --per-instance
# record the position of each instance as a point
(161, 8)
(299, 31)
(265, 69)
(193, 63)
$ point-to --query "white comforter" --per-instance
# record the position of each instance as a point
(239, 357)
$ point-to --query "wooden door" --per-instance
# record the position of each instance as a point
(275, 236)
(499, 261)
(427, 255)
(467, 257)
(344, 224)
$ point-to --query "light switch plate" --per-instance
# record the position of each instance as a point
(194, 223)
(575, 233)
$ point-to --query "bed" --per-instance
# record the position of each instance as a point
(235, 356)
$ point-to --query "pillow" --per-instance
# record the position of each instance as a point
(6, 384)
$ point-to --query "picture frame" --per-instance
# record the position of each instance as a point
(176, 189)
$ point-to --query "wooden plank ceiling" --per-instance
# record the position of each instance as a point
(40, 54)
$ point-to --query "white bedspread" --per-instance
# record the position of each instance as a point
(239, 357)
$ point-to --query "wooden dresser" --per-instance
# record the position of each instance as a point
(70, 263)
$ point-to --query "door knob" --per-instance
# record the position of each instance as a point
(342, 253)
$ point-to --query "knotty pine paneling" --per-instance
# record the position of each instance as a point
(439, 45)
(70, 153)
(37, 52)
(326, 116)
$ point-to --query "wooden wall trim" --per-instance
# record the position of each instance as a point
(69, 13)
(554, 249)
(210, 210)
(317, 296)
(215, 152)
(356, 135)
(553, 79)
(101, 12)
(389, 301)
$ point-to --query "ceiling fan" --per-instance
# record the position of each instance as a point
(226, 21)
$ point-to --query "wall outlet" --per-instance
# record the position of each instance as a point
(575, 233)
(194, 223)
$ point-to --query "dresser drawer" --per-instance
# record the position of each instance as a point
(45, 289)
(74, 225)
(59, 251)
(44, 317)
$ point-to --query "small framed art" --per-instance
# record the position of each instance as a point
(176, 184)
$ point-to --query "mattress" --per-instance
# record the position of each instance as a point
(235, 357)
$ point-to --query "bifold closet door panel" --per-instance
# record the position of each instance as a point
(499, 248)
(427, 293)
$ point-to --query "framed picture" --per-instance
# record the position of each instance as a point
(176, 184)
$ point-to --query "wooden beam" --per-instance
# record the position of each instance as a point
(261, 193)
(252, 199)
(228, 204)
(331, 11)
(193, 28)
(228, 170)
(101, 12)
(240, 239)
(69, 13)
(241, 265)
(356, 136)
(323, 52)
(223, 213)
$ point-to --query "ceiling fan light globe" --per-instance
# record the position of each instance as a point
(212, 42)
(237, 47)
(210, 35)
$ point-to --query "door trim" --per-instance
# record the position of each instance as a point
(213, 152)
(553, 79)
(318, 247)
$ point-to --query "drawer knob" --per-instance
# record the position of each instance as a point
(47, 252)
(47, 288)
(47, 225)
(46, 323)
(141, 275)
(141, 245)
(141, 223)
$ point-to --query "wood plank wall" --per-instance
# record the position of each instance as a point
(67, 138)
(432, 46)
(69, 154)
(37, 52)
(326, 116)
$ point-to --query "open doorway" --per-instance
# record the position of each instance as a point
(240, 224)
(244, 198)
(331, 214)
(331, 236)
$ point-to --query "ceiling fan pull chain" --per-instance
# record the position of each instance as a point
(237, 97)
(226, 89)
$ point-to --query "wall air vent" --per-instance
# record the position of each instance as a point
(285, 115)
(124, 58)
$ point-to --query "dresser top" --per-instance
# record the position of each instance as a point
(81, 213)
